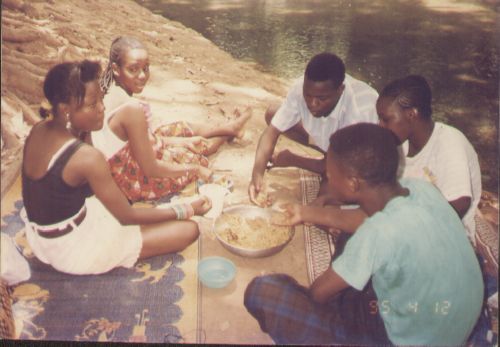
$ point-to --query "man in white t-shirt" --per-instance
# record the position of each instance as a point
(324, 100)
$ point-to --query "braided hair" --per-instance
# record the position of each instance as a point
(411, 91)
(119, 46)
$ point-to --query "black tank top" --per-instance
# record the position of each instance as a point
(50, 200)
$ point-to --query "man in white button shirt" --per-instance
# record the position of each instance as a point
(324, 100)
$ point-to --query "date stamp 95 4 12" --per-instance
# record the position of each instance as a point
(384, 307)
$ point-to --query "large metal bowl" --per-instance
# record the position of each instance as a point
(250, 212)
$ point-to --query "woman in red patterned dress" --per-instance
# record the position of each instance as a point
(146, 164)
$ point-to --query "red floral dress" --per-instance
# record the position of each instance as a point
(138, 187)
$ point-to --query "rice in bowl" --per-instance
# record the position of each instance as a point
(251, 233)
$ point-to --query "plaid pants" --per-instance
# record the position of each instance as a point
(286, 312)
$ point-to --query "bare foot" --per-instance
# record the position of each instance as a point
(283, 159)
(240, 121)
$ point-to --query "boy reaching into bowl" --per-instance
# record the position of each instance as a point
(408, 276)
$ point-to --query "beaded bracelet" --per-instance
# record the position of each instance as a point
(178, 211)
(183, 211)
(189, 210)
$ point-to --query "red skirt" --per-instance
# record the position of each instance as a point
(138, 187)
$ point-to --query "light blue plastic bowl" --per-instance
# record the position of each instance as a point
(216, 272)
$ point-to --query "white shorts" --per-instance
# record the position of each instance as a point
(99, 244)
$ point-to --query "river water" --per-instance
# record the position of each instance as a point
(452, 45)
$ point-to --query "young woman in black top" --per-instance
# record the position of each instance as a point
(66, 226)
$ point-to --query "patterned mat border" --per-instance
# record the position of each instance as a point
(319, 245)
(138, 326)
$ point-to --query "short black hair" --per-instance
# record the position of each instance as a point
(368, 151)
(66, 81)
(326, 66)
(411, 91)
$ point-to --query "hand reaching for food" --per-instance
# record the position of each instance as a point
(290, 216)
(279, 218)
(202, 205)
(255, 187)
(258, 195)
(264, 200)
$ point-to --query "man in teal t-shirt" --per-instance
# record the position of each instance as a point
(423, 269)
(407, 276)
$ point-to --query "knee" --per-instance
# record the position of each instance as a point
(192, 231)
(252, 293)
(270, 112)
(261, 290)
(255, 299)
(272, 301)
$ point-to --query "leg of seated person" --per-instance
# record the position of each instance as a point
(208, 132)
(214, 144)
(230, 128)
(361, 313)
(213, 136)
(167, 237)
(285, 311)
